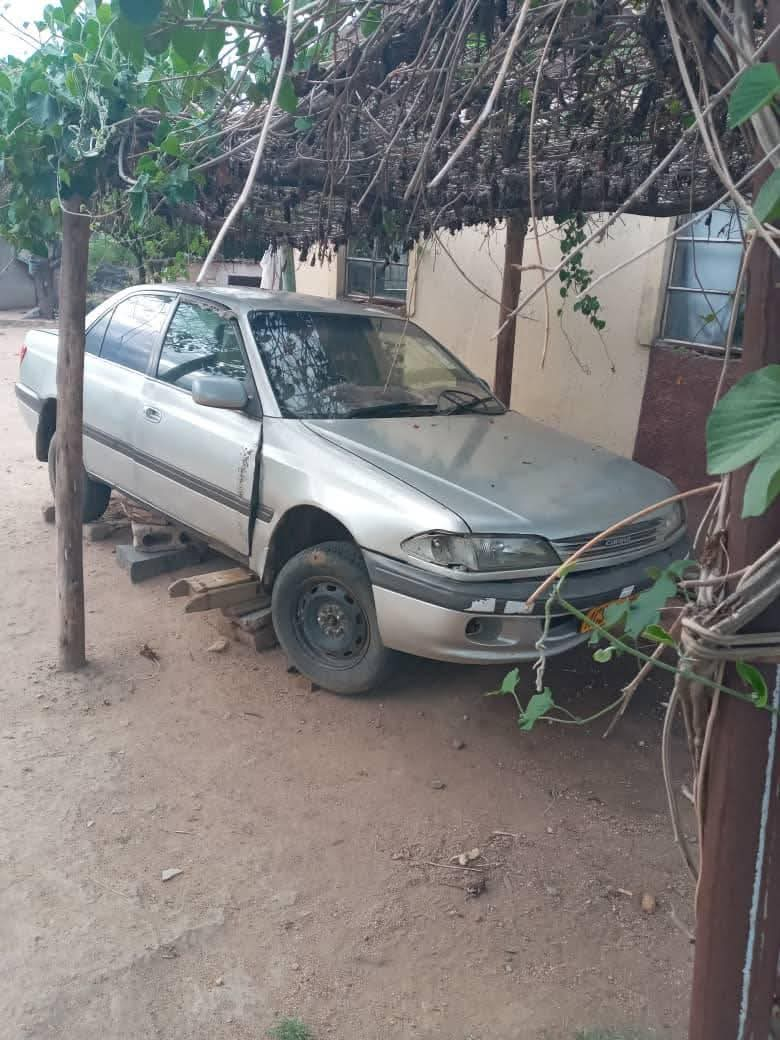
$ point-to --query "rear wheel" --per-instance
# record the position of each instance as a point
(324, 616)
(96, 494)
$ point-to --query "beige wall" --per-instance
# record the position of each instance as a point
(320, 279)
(585, 398)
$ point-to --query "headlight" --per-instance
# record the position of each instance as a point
(482, 552)
(671, 519)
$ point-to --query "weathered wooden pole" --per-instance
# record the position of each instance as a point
(69, 485)
(516, 228)
(738, 924)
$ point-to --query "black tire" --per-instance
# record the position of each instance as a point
(96, 494)
(324, 616)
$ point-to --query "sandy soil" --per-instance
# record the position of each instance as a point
(305, 827)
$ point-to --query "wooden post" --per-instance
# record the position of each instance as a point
(738, 926)
(516, 228)
(69, 490)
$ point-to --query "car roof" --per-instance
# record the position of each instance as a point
(248, 299)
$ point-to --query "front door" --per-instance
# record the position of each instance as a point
(197, 464)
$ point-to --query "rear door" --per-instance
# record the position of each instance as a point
(197, 464)
(120, 347)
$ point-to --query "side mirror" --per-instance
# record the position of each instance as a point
(219, 392)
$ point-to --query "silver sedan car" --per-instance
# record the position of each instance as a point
(385, 497)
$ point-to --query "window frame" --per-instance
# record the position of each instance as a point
(254, 407)
(374, 262)
(669, 288)
(111, 311)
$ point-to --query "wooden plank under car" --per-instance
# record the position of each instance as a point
(210, 582)
(225, 597)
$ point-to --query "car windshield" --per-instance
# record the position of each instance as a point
(328, 366)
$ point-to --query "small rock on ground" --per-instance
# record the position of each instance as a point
(218, 647)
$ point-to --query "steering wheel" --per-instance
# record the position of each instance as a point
(175, 373)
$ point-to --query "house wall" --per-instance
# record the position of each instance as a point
(320, 278)
(17, 291)
(590, 386)
(220, 271)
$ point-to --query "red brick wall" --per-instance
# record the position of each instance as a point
(678, 397)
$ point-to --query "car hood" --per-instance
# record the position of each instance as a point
(502, 473)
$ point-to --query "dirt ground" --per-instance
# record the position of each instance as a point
(307, 829)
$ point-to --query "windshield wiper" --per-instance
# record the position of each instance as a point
(390, 408)
(470, 404)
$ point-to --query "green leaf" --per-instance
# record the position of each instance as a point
(141, 12)
(369, 23)
(752, 677)
(5, 83)
(604, 654)
(287, 99)
(54, 206)
(659, 634)
(157, 41)
(69, 6)
(745, 422)
(64, 176)
(767, 204)
(104, 15)
(755, 88)
(214, 41)
(171, 145)
(129, 40)
(511, 680)
(509, 684)
(763, 484)
(187, 43)
(303, 123)
(538, 705)
(43, 109)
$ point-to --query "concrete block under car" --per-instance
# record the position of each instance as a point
(143, 565)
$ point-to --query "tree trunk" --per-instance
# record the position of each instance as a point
(45, 288)
(140, 262)
(738, 927)
(516, 228)
(69, 489)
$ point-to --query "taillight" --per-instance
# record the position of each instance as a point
(22, 352)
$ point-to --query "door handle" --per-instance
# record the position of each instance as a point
(152, 414)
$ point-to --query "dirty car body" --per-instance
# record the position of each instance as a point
(275, 425)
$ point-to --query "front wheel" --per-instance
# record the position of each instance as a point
(96, 494)
(324, 616)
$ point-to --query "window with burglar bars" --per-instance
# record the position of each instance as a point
(703, 281)
(374, 275)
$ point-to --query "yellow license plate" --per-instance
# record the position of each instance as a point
(595, 615)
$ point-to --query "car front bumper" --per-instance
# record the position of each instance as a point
(483, 622)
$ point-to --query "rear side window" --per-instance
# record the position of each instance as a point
(134, 330)
(94, 337)
(200, 341)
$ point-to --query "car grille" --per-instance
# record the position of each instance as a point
(632, 540)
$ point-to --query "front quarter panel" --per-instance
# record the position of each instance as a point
(301, 468)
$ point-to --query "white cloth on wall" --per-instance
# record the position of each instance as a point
(271, 268)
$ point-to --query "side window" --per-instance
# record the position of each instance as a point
(134, 329)
(199, 341)
(94, 337)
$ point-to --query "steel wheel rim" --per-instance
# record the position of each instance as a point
(331, 624)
